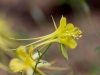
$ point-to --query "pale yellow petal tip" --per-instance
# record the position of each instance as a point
(70, 25)
(73, 46)
(16, 65)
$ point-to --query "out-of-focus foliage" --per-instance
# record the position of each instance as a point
(5, 33)
(94, 70)
(97, 48)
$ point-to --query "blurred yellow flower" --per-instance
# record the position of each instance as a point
(27, 63)
(5, 33)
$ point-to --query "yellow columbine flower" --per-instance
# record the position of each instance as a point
(5, 33)
(27, 63)
(65, 34)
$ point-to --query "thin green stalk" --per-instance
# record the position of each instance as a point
(40, 58)
(21, 72)
(93, 24)
(74, 71)
(39, 53)
(88, 13)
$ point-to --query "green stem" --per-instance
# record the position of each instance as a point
(40, 58)
(21, 72)
(93, 24)
(74, 71)
(88, 13)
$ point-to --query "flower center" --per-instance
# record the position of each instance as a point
(75, 33)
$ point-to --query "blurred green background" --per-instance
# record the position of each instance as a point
(32, 18)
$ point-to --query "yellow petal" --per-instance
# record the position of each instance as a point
(69, 42)
(21, 52)
(62, 22)
(29, 62)
(69, 26)
(16, 65)
(64, 52)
